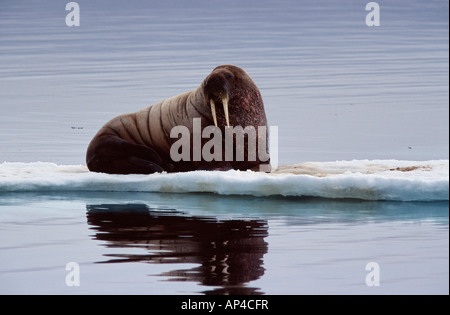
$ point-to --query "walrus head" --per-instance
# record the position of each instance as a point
(226, 91)
(217, 90)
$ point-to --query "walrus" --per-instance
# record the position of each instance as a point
(141, 142)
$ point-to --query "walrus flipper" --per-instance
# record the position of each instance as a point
(114, 155)
(133, 165)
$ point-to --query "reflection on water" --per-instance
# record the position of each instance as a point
(134, 243)
(229, 252)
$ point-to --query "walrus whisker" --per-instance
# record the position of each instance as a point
(225, 109)
(213, 111)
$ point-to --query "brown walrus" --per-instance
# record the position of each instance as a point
(140, 142)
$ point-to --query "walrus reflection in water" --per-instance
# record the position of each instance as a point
(229, 252)
(140, 142)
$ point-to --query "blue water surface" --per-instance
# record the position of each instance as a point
(144, 243)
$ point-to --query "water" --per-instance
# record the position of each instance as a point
(141, 243)
(336, 89)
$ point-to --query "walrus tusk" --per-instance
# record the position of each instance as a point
(225, 109)
(213, 111)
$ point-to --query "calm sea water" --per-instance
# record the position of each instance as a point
(336, 89)
(145, 243)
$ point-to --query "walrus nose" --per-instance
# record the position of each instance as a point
(216, 86)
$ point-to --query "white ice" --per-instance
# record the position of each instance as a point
(360, 179)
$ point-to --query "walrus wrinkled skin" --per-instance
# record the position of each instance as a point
(140, 142)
